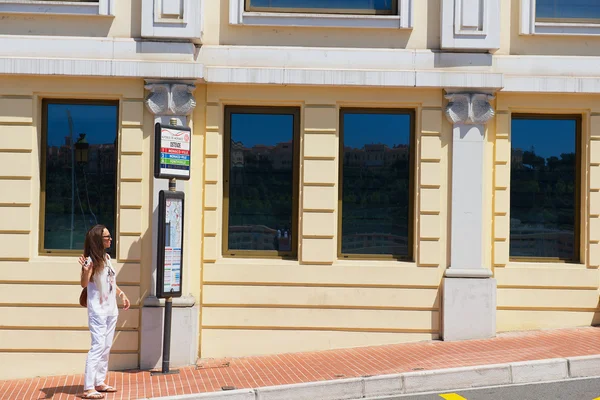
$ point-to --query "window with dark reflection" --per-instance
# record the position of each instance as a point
(543, 187)
(260, 182)
(567, 9)
(80, 171)
(325, 6)
(376, 183)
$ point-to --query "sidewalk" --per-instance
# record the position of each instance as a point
(252, 372)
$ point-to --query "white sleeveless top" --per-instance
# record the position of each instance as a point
(102, 291)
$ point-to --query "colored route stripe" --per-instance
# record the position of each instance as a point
(452, 396)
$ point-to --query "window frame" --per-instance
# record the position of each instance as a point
(554, 26)
(102, 8)
(270, 254)
(402, 19)
(411, 184)
(42, 251)
(577, 256)
(343, 11)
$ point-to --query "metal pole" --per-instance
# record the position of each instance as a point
(168, 301)
(167, 335)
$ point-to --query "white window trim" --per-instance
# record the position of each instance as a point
(529, 26)
(102, 7)
(404, 19)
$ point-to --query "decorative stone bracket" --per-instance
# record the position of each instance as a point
(469, 108)
(174, 98)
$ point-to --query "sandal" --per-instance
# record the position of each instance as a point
(106, 389)
(92, 395)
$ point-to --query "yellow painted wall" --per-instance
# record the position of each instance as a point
(125, 23)
(43, 329)
(425, 34)
(254, 306)
(548, 295)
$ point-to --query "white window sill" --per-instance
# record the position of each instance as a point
(569, 29)
(101, 8)
(320, 20)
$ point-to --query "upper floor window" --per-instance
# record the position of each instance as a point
(560, 17)
(388, 14)
(376, 183)
(544, 188)
(564, 10)
(325, 6)
(79, 172)
(260, 208)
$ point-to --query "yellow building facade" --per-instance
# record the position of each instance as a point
(466, 82)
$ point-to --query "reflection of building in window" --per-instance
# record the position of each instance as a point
(375, 155)
(532, 241)
(375, 243)
(259, 237)
(279, 156)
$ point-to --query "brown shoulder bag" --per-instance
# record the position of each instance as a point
(83, 298)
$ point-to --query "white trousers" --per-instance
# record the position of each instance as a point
(102, 328)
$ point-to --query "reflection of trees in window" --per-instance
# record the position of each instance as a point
(543, 197)
(376, 186)
(261, 182)
(79, 180)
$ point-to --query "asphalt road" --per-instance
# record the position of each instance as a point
(577, 389)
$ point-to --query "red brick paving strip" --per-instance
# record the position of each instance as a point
(249, 372)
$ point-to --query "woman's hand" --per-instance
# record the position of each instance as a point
(84, 264)
(86, 270)
(126, 302)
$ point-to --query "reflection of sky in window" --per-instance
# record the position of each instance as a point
(332, 4)
(261, 129)
(549, 137)
(567, 9)
(389, 129)
(98, 122)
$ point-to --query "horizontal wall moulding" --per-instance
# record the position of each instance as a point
(570, 309)
(318, 184)
(101, 68)
(321, 285)
(34, 282)
(130, 207)
(16, 178)
(527, 287)
(59, 328)
(319, 158)
(318, 328)
(15, 150)
(54, 351)
(321, 307)
(321, 130)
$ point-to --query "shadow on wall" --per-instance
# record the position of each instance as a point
(338, 37)
(43, 25)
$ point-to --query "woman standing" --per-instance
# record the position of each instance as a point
(98, 275)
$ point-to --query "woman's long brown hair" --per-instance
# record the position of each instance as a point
(93, 247)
